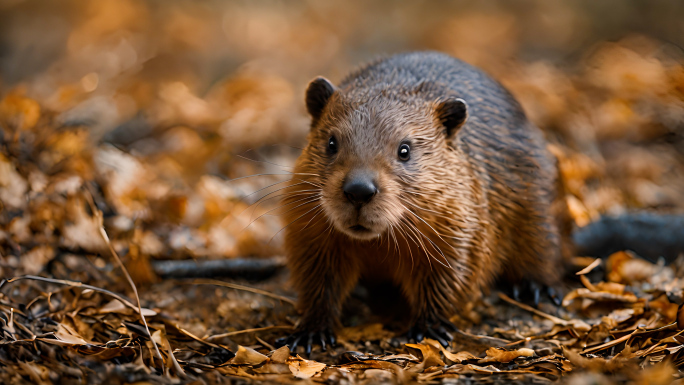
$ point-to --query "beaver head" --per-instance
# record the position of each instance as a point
(375, 151)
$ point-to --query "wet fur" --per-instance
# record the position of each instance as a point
(466, 209)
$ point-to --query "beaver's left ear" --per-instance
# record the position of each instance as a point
(452, 113)
(318, 93)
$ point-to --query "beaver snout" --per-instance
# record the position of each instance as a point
(359, 188)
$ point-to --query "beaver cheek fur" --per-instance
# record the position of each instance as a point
(378, 215)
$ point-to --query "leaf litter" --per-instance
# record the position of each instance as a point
(105, 169)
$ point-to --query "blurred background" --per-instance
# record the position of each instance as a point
(154, 108)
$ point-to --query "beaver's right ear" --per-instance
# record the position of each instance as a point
(317, 95)
(452, 113)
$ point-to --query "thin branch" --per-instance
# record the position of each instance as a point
(217, 336)
(538, 312)
(240, 287)
(74, 284)
(100, 222)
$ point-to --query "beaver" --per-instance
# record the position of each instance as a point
(423, 171)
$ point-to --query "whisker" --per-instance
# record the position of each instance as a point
(312, 218)
(437, 213)
(286, 145)
(286, 173)
(276, 190)
(329, 230)
(271, 185)
(440, 237)
(311, 200)
(419, 242)
(417, 231)
(296, 219)
(326, 229)
(396, 241)
(301, 197)
(388, 246)
(408, 236)
(397, 249)
(291, 194)
(261, 161)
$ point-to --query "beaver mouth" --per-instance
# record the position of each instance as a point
(359, 229)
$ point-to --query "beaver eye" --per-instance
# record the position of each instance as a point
(404, 152)
(332, 146)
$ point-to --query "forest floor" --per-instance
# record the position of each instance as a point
(105, 172)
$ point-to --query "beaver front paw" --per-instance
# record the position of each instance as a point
(307, 338)
(530, 291)
(436, 327)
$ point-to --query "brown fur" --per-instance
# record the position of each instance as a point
(465, 209)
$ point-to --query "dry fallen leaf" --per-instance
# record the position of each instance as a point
(13, 186)
(459, 357)
(303, 369)
(597, 296)
(19, 112)
(115, 306)
(623, 267)
(247, 356)
(427, 353)
(281, 355)
(502, 355)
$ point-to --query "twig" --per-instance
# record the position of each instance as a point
(73, 284)
(217, 336)
(590, 267)
(266, 344)
(100, 222)
(556, 320)
(481, 339)
(241, 287)
(608, 344)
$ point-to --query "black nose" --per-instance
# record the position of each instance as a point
(359, 189)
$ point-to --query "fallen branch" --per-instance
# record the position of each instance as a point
(255, 268)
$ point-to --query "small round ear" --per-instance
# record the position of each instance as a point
(317, 94)
(452, 113)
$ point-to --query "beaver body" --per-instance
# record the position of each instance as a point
(421, 170)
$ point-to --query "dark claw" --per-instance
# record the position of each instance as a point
(516, 292)
(438, 329)
(445, 334)
(437, 337)
(295, 341)
(530, 291)
(308, 340)
(280, 342)
(331, 338)
(321, 341)
(446, 323)
(551, 292)
(535, 288)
